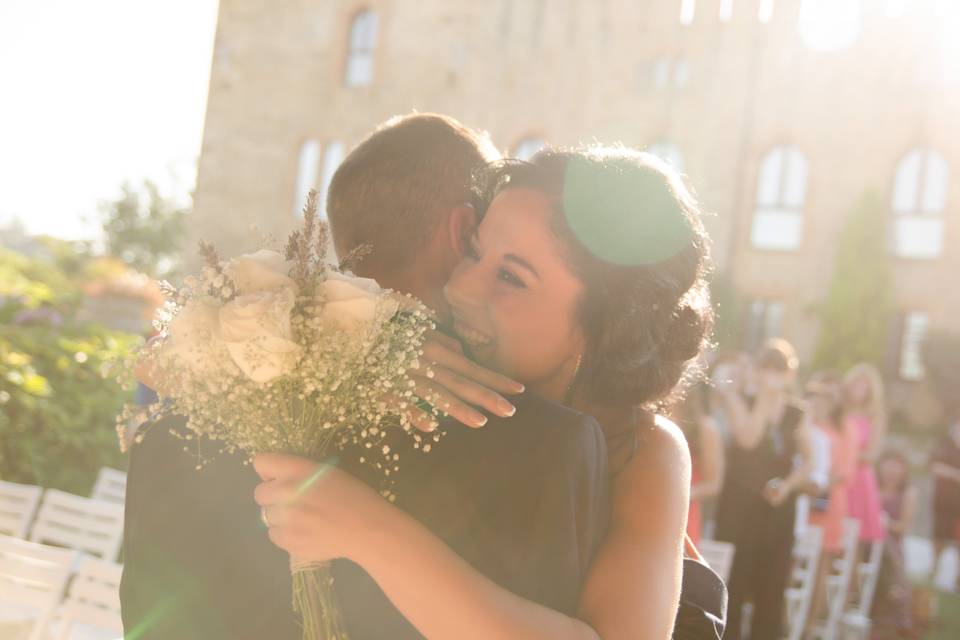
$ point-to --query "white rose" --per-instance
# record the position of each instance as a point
(256, 330)
(193, 339)
(352, 302)
(258, 272)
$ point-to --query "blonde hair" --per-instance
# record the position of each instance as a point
(875, 407)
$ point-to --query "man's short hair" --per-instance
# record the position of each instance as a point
(393, 190)
(777, 354)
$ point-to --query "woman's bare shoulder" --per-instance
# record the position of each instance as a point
(658, 473)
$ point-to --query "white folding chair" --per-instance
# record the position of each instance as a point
(32, 579)
(806, 557)
(75, 522)
(111, 486)
(93, 599)
(719, 555)
(856, 621)
(18, 504)
(837, 583)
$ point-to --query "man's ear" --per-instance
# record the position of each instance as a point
(461, 224)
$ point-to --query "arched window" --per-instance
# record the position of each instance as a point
(332, 157)
(726, 10)
(828, 25)
(781, 195)
(688, 10)
(668, 152)
(527, 148)
(362, 47)
(765, 11)
(308, 166)
(919, 199)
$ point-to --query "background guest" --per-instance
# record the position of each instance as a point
(706, 452)
(756, 511)
(865, 410)
(946, 491)
(825, 396)
(891, 608)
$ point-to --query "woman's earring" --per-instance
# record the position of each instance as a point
(573, 379)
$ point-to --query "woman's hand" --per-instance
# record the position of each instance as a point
(457, 386)
(316, 511)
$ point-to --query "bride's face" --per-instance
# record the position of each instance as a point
(514, 298)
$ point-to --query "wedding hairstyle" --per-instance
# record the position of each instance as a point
(393, 190)
(631, 232)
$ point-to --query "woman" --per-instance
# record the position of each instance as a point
(865, 411)
(586, 282)
(756, 511)
(825, 397)
(899, 498)
(706, 454)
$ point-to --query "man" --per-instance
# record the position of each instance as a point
(197, 562)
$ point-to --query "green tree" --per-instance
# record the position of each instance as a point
(855, 316)
(56, 408)
(144, 229)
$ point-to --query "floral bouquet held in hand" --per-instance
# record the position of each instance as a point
(284, 353)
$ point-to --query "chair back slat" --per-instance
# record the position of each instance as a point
(111, 486)
(85, 524)
(93, 598)
(806, 557)
(18, 504)
(34, 576)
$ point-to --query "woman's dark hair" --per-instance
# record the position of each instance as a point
(897, 456)
(633, 235)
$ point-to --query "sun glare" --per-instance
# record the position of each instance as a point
(829, 25)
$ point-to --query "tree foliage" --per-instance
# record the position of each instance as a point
(856, 314)
(144, 229)
(57, 408)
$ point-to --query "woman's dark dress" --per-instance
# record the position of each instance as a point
(761, 533)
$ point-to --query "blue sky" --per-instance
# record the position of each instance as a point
(96, 92)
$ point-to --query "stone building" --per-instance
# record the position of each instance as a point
(782, 113)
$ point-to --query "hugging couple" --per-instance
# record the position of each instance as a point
(572, 303)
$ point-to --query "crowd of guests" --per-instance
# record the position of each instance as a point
(773, 457)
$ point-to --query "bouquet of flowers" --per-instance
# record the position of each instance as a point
(274, 352)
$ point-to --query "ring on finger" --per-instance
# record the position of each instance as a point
(263, 517)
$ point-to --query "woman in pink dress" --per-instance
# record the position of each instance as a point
(865, 412)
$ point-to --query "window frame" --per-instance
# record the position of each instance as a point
(363, 33)
(789, 207)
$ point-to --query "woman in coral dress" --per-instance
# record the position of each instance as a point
(825, 397)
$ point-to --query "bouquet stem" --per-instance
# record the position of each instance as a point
(315, 600)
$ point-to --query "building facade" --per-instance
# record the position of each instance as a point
(781, 113)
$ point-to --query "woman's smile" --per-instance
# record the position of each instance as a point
(474, 338)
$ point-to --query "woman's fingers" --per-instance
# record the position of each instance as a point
(420, 419)
(277, 465)
(444, 400)
(473, 393)
(451, 344)
(437, 354)
(273, 492)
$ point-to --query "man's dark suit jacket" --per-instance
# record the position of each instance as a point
(525, 500)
